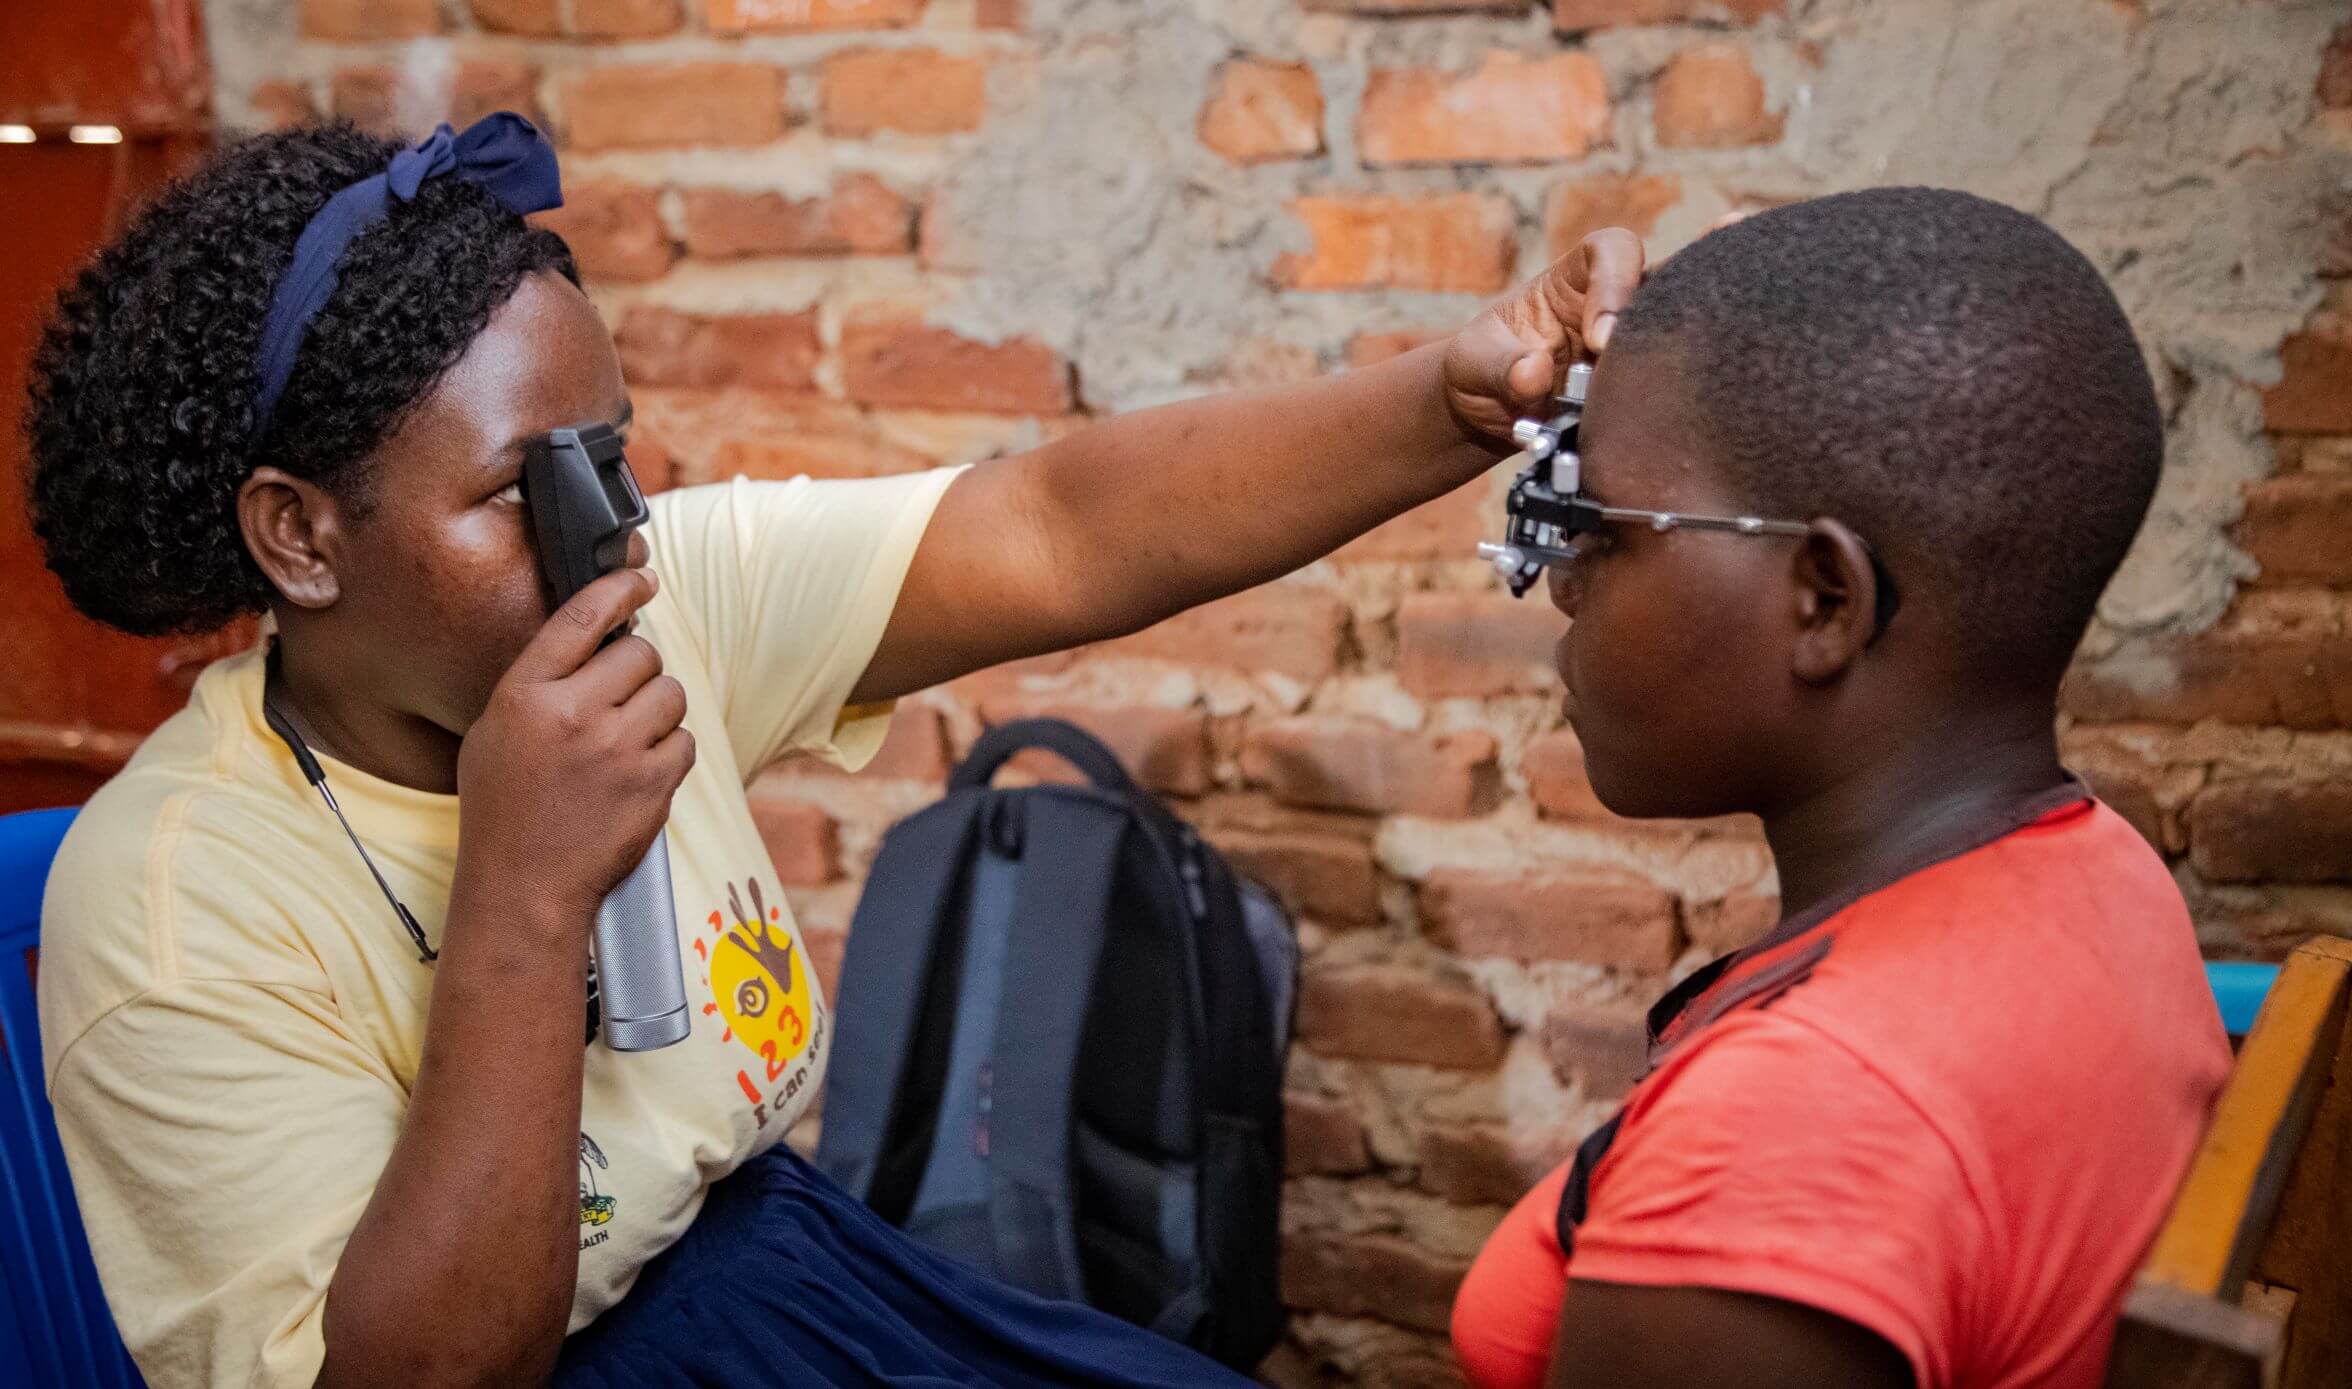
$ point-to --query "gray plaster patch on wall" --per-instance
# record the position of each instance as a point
(2169, 142)
(249, 42)
(1103, 226)
(2203, 201)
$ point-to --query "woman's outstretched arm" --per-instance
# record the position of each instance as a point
(1142, 516)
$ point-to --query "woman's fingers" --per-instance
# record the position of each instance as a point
(1610, 263)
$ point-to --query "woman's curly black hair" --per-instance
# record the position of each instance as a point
(141, 415)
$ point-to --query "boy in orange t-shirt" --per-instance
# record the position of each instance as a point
(1920, 1133)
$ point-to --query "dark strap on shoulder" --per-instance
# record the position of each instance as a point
(1576, 1196)
(1758, 990)
(1068, 741)
(884, 974)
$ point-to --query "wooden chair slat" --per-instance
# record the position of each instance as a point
(2223, 1211)
(2309, 1245)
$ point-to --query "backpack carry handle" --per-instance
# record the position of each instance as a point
(1064, 739)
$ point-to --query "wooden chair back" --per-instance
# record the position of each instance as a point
(2249, 1282)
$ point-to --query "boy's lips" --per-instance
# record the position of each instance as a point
(1562, 665)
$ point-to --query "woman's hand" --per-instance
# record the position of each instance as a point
(568, 774)
(1518, 352)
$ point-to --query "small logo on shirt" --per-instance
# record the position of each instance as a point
(758, 981)
(596, 1208)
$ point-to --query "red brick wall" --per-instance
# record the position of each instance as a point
(785, 208)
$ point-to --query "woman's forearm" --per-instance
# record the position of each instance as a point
(1144, 515)
(461, 1269)
(1230, 491)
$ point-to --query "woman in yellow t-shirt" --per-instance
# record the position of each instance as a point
(329, 1116)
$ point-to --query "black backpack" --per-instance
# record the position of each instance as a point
(1059, 1051)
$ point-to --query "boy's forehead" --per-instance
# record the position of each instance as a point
(1618, 428)
(1641, 438)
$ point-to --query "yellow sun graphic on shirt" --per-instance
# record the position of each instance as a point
(759, 983)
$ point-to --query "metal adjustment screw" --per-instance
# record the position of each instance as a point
(1534, 437)
(1506, 558)
(1579, 381)
(1567, 472)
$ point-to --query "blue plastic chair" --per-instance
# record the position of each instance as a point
(54, 1326)
(2239, 989)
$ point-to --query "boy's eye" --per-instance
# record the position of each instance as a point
(511, 494)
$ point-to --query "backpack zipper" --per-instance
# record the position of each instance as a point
(1196, 892)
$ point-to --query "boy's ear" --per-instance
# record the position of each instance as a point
(1836, 593)
(293, 529)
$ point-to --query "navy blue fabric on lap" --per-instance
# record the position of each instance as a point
(786, 1279)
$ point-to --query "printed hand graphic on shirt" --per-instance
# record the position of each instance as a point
(758, 981)
(596, 1208)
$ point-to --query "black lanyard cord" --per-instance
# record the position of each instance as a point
(425, 951)
(281, 722)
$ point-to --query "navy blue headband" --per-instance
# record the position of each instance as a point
(502, 152)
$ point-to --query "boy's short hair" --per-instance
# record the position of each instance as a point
(1944, 374)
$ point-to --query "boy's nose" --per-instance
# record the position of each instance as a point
(1561, 585)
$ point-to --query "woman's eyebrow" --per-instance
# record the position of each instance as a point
(520, 442)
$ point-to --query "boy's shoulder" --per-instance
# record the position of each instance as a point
(2073, 917)
(2009, 991)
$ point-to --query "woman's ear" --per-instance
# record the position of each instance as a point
(1836, 593)
(293, 530)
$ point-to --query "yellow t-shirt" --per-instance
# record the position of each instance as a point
(232, 1015)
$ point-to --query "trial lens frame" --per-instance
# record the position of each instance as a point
(1546, 510)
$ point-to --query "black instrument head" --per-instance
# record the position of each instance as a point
(584, 502)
